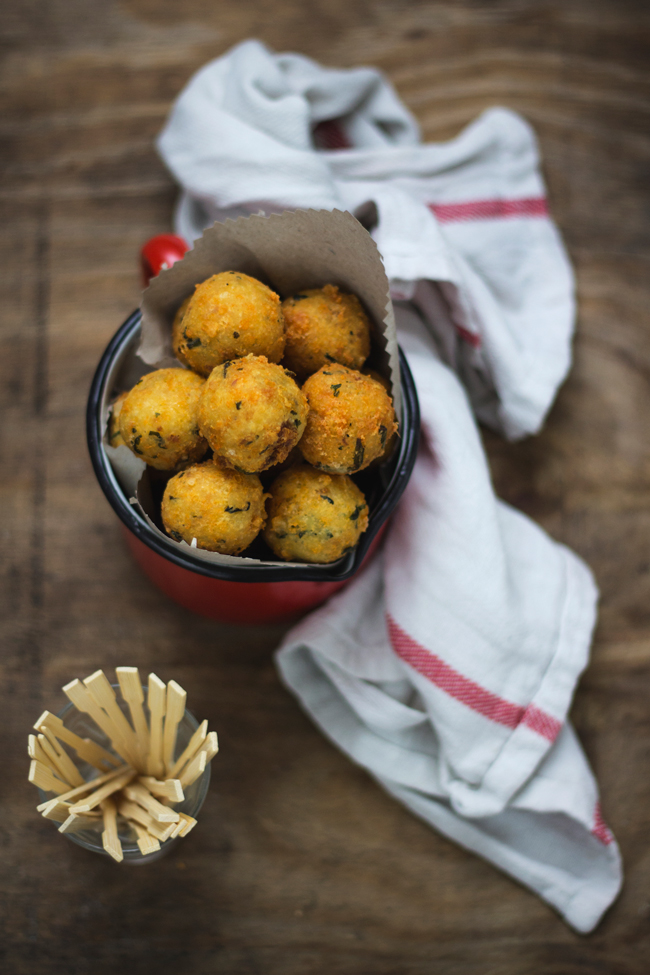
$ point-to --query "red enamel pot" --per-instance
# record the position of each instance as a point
(250, 593)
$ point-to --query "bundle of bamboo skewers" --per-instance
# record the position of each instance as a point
(140, 780)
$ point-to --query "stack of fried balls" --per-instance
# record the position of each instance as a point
(238, 409)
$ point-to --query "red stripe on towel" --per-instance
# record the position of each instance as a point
(532, 206)
(470, 337)
(601, 831)
(467, 691)
(541, 722)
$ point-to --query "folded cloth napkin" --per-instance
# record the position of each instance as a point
(447, 667)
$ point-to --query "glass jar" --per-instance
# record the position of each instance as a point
(91, 839)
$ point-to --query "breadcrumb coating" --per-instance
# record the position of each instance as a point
(351, 420)
(314, 517)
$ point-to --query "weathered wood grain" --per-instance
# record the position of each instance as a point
(300, 863)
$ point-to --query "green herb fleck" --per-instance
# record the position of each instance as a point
(336, 388)
(235, 335)
(161, 442)
(156, 414)
(327, 498)
(359, 451)
(176, 535)
(330, 357)
(357, 511)
(226, 367)
(135, 444)
(238, 405)
(192, 343)
(231, 511)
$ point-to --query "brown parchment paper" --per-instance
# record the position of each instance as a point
(291, 251)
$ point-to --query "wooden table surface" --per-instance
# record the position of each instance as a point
(300, 864)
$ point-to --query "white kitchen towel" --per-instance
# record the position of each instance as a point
(447, 668)
(467, 219)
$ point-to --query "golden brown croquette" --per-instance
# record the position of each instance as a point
(314, 517)
(391, 442)
(158, 419)
(252, 413)
(351, 419)
(222, 509)
(325, 325)
(230, 315)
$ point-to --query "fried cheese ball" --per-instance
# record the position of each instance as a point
(351, 419)
(114, 435)
(230, 315)
(391, 442)
(325, 325)
(222, 509)
(314, 517)
(252, 414)
(158, 419)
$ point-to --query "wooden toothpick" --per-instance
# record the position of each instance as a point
(190, 823)
(131, 688)
(162, 814)
(55, 810)
(94, 799)
(63, 764)
(89, 751)
(210, 746)
(35, 752)
(136, 814)
(44, 778)
(110, 839)
(146, 842)
(171, 789)
(75, 823)
(83, 701)
(104, 696)
(90, 785)
(156, 699)
(175, 709)
(190, 750)
(195, 768)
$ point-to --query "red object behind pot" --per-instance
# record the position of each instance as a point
(159, 252)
